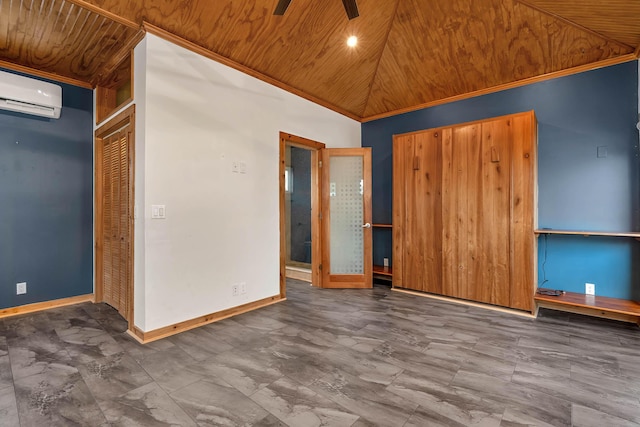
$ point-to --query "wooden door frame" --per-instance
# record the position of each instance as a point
(287, 139)
(126, 117)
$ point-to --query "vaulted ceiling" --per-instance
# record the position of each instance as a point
(410, 52)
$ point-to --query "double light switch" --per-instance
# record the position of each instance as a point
(158, 212)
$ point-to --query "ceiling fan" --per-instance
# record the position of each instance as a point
(350, 7)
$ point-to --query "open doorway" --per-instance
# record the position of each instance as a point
(339, 189)
(297, 187)
(299, 210)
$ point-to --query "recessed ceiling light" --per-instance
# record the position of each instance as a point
(352, 41)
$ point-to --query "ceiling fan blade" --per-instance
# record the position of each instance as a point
(281, 7)
(351, 8)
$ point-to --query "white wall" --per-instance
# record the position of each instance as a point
(194, 117)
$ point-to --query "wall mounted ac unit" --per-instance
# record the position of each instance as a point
(30, 96)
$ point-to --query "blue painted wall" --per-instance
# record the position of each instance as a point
(577, 189)
(46, 202)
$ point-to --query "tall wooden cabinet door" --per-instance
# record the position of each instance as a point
(491, 257)
(523, 207)
(460, 185)
(422, 228)
(402, 155)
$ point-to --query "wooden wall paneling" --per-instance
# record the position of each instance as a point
(473, 46)
(432, 193)
(615, 19)
(305, 49)
(423, 222)
(410, 53)
(453, 212)
(414, 267)
(471, 242)
(494, 216)
(58, 37)
(486, 182)
(399, 207)
(523, 211)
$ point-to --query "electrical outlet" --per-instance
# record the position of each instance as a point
(243, 288)
(589, 288)
(234, 290)
(385, 262)
(21, 288)
(235, 166)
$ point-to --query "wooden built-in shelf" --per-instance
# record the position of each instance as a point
(382, 225)
(635, 234)
(381, 270)
(614, 308)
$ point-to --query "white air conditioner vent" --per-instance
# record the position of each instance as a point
(30, 96)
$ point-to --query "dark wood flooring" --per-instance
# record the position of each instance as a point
(323, 357)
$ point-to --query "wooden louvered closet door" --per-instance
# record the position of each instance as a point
(116, 230)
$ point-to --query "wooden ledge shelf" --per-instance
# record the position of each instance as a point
(382, 225)
(382, 271)
(611, 308)
(634, 234)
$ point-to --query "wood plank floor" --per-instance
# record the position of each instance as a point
(324, 357)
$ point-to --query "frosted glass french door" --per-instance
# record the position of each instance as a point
(346, 218)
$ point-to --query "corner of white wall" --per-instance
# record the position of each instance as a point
(140, 96)
(195, 117)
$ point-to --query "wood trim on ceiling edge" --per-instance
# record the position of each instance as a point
(46, 305)
(44, 74)
(105, 13)
(119, 57)
(537, 79)
(167, 331)
(186, 44)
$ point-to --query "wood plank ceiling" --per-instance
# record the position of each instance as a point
(410, 52)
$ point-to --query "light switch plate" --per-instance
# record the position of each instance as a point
(158, 212)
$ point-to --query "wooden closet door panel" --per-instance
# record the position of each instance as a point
(107, 276)
(114, 299)
(399, 214)
(471, 212)
(454, 210)
(412, 267)
(423, 224)
(495, 213)
(523, 241)
(123, 219)
(449, 221)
